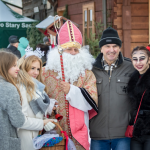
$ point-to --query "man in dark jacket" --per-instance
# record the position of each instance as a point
(112, 71)
(13, 40)
(47, 42)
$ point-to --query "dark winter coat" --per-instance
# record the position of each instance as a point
(113, 103)
(15, 51)
(136, 86)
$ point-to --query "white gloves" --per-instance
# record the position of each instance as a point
(49, 126)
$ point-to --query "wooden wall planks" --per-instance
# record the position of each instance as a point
(76, 18)
(139, 17)
(133, 45)
(138, 10)
(99, 15)
(119, 1)
(75, 10)
(139, 1)
(118, 22)
(139, 36)
(120, 34)
(139, 22)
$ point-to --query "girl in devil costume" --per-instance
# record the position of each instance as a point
(140, 82)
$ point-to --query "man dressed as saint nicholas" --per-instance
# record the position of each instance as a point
(79, 86)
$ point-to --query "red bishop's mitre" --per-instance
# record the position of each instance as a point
(69, 36)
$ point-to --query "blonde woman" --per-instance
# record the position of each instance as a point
(35, 102)
(11, 116)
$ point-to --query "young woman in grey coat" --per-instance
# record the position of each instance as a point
(11, 116)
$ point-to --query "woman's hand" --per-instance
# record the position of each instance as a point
(54, 108)
(48, 125)
(46, 121)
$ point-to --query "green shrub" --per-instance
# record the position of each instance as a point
(65, 13)
(93, 40)
(34, 35)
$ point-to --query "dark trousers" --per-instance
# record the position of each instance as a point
(140, 143)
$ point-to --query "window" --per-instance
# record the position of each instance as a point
(88, 20)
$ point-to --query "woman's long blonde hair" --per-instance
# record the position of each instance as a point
(25, 64)
(7, 60)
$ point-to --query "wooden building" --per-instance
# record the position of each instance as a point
(39, 9)
(129, 17)
(86, 13)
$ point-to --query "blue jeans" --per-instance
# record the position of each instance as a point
(114, 144)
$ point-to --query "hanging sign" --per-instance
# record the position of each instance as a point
(15, 25)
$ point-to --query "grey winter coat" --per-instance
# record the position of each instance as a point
(113, 103)
(11, 116)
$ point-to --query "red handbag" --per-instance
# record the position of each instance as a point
(130, 128)
(129, 131)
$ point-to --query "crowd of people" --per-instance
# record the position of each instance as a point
(99, 100)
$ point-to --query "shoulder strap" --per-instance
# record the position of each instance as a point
(139, 107)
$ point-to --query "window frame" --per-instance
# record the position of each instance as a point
(88, 6)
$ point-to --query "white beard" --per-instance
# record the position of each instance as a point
(74, 65)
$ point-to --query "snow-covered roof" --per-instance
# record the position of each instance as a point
(8, 15)
(49, 20)
(46, 22)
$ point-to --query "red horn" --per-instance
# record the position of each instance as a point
(148, 47)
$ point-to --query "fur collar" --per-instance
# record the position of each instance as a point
(137, 85)
(136, 80)
(98, 63)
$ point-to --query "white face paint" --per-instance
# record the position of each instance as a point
(140, 61)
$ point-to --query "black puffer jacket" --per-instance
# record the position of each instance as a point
(136, 86)
(15, 51)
